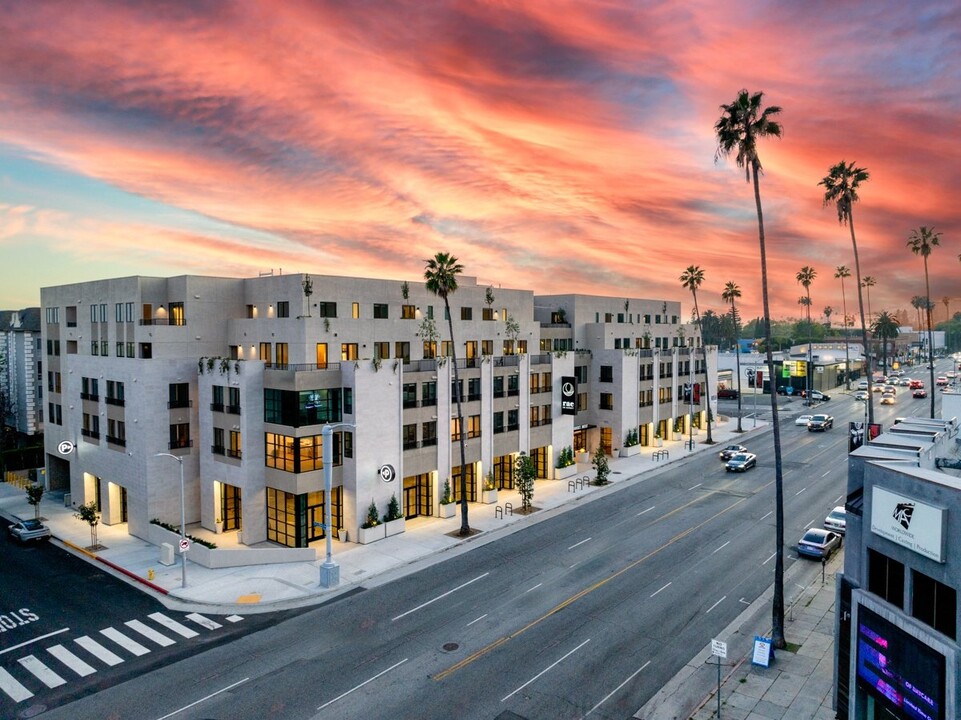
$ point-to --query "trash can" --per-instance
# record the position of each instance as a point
(66, 499)
(166, 554)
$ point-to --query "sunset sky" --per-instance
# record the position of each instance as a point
(554, 146)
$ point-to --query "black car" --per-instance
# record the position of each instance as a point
(820, 423)
(730, 451)
(727, 394)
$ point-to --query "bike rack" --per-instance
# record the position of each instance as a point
(658, 455)
(499, 511)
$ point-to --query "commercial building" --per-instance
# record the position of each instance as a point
(21, 390)
(237, 377)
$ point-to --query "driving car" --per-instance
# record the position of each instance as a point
(732, 450)
(941, 381)
(861, 395)
(837, 520)
(887, 399)
(919, 393)
(915, 384)
(863, 385)
(727, 393)
(741, 461)
(818, 543)
(890, 389)
(29, 530)
(816, 395)
(802, 420)
(820, 422)
(905, 382)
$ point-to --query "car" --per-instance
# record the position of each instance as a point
(919, 393)
(818, 543)
(785, 390)
(820, 423)
(816, 395)
(29, 530)
(741, 461)
(861, 395)
(941, 381)
(887, 399)
(950, 374)
(802, 420)
(732, 450)
(837, 520)
(890, 389)
(862, 385)
(727, 394)
(877, 388)
(905, 382)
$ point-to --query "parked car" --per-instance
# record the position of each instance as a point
(837, 520)
(29, 530)
(727, 394)
(803, 420)
(741, 461)
(732, 450)
(785, 390)
(887, 399)
(919, 393)
(816, 395)
(861, 395)
(818, 543)
(820, 423)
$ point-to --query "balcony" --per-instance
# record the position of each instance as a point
(218, 450)
(119, 402)
(236, 454)
(180, 444)
(122, 442)
(89, 396)
(217, 407)
(179, 404)
(301, 367)
(233, 409)
(95, 434)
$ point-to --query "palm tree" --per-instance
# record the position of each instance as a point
(731, 293)
(841, 186)
(691, 279)
(884, 328)
(922, 241)
(918, 302)
(841, 272)
(740, 126)
(947, 307)
(806, 276)
(869, 282)
(828, 312)
(441, 276)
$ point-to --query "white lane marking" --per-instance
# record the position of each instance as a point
(722, 547)
(769, 559)
(810, 523)
(695, 487)
(839, 498)
(71, 661)
(663, 588)
(98, 651)
(715, 605)
(358, 687)
(645, 511)
(47, 676)
(533, 588)
(439, 597)
(203, 621)
(549, 667)
(123, 641)
(477, 620)
(149, 633)
(745, 602)
(800, 491)
(580, 543)
(233, 618)
(608, 696)
(197, 702)
(172, 624)
(766, 514)
(36, 639)
(13, 688)
(570, 566)
(826, 474)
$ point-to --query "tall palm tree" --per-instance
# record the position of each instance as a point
(918, 302)
(885, 327)
(441, 276)
(691, 279)
(806, 276)
(841, 272)
(841, 186)
(922, 241)
(742, 123)
(731, 293)
(869, 282)
(828, 312)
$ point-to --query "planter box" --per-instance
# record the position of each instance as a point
(395, 527)
(658, 442)
(488, 497)
(565, 472)
(447, 511)
(630, 451)
(583, 457)
(365, 536)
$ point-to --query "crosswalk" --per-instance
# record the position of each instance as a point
(53, 666)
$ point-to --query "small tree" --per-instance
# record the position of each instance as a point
(526, 472)
(34, 496)
(446, 498)
(393, 509)
(373, 518)
(599, 463)
(90, 515)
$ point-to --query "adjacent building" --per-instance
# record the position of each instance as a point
(21, 389)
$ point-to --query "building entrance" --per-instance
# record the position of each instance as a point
(417, 496)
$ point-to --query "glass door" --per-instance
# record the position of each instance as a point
(230, 506)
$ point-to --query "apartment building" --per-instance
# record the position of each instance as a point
(236, 378)
(20, 369)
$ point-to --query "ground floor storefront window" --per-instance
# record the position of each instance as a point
(470, 470)
(418, 498)
(298, 520)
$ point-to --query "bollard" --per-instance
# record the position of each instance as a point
(150, 574)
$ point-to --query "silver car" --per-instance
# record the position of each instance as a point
(29, 530)
(837, 520)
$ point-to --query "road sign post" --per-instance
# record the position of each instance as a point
(719, 651)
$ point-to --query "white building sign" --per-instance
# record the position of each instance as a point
(908, 522)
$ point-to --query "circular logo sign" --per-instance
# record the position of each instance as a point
(65, 448)
(387, 473)
(184, 544)
(567, 389)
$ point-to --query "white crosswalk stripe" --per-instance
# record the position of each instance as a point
(149, 633)
(172, 624)
(98, 651)
(124, 642)
(71, 661)
(234, 618)
(44, 674)
(9, 684)
(203, 621)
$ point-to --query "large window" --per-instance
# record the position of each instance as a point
(177, 316)
(607, 401)
(934, 604)
(283, 518)
(299, 408)
(886, 578)
(218, 447)
(180, 436)
(607, 373)
(327, 309)
(428, 433)
(410, 436)
(298, 455)
(178, 395)
(217, 399)
(283, 309)
(428, 393)
(348, 351)
(115, 392)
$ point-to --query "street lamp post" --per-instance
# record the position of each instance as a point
(183, 519)
(329, 570)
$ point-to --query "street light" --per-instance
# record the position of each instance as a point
(329, 571)
(183, 519)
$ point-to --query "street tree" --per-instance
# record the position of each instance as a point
(526, 474)
(34, 496)
(742, 123)
(806, 276)
(691, 279)
(922, 241)
(89, 514)
(730, 295)
(841, 272)
(884, 328)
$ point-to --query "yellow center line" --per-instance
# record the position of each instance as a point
(577, 596)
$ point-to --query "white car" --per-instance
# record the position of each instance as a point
(861, 395)
(863, 385)
(837, 520)
(803, 420)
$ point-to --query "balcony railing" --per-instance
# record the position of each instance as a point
(218, 450)
(180, 444)
(90, 433)
(89, 396)
(301, 367)
(217, 407)
(180, 404)
(120, 402)
(235, 454)
(122, 442)
(233, 409)
(163, 321)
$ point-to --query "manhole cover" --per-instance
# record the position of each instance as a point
(450, 647)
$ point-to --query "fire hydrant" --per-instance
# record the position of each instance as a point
(150, 574)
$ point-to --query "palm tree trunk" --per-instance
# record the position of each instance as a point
(927, 306)
(777, 608)
(464, 524)
(864, 327)
(707, 389)
(847, 354)
(810, 368)
(737, 359)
